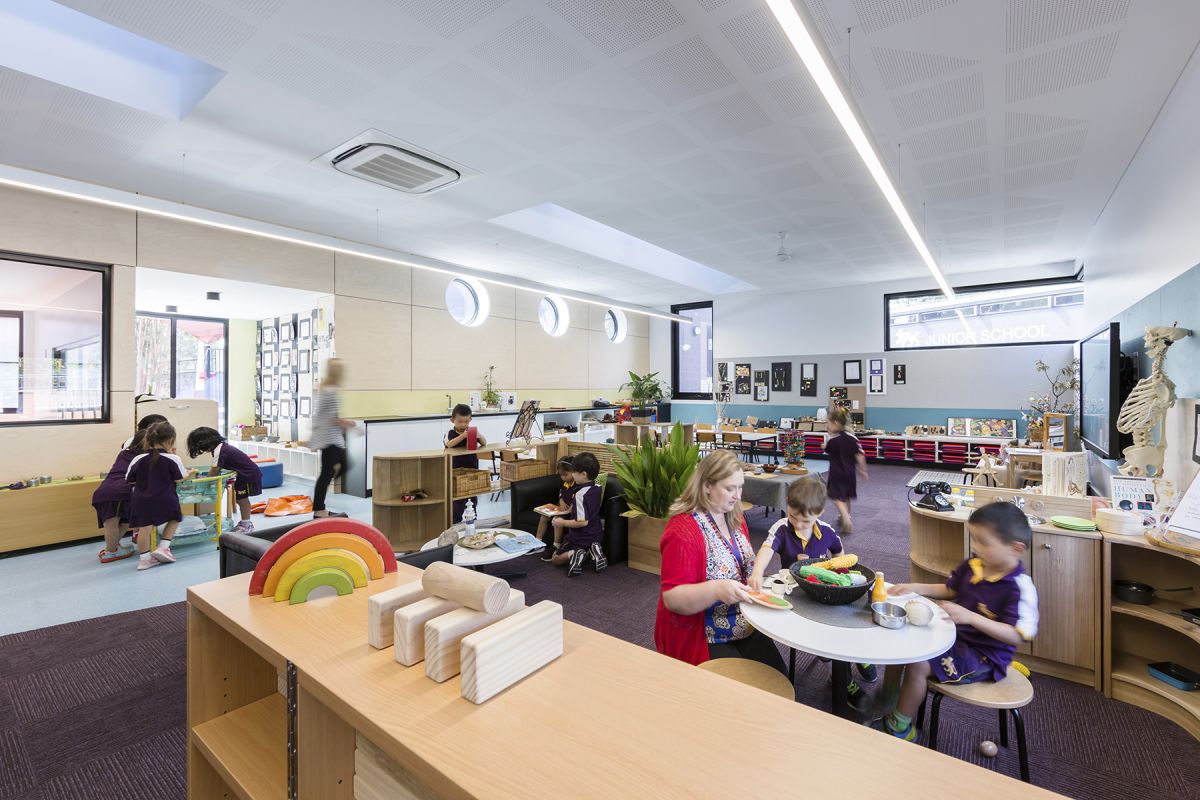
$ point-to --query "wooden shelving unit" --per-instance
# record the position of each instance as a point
(1137, 635)
(408, 525)
(248, 748)
(952, 452)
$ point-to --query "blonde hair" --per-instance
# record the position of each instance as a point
(712, 469)
(335, 369)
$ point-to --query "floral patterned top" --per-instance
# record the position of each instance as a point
(725, 623)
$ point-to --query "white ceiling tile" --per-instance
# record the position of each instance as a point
(1055, 147)
(655, 141)
(825, 139)
(902, 67)
(13, 85)
(483, 153)
(1063, 68)
(379, 57)
(759, 40)
(531, 54)
(1026, 215)
(968, 224)
(261, 8)
(798, 96)
(944, 101)
(728, 117)
(600, 119)
(188, 25)
(789, 177)
(616, 26)
(61, 134)
(693, 170)
(1021, 179)
(458, 87)
(963, 190)
(85, 110)
(310, 76)
(448, 17)
(970, 134)
(1014, 202)
(957, 168)
(1032, 22)
(752, 161)
(878, 15)
(681, 72)
(541, 142)
(1018, 125)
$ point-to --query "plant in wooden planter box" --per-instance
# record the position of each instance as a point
(653, 477)
(645, 391)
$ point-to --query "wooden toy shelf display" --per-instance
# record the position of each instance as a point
(40, 515)
(1137, 635)
(956, 452)
(267, 679)
(1064, 565)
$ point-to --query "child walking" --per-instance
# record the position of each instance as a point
(566, 500)
(580, 533)
(993, 604)
(154, 472)
(457, 436)
(225, 457)
(111, 498)
(847, 465)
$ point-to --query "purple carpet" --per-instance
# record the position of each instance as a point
(96, 710)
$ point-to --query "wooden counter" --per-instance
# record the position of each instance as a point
(1065, 566)
(608, 719)
(40, 515)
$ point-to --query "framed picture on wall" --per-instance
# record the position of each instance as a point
(305, 329)
(305, 406)
(285, 358)
(958, 426)
(741, 379)
(302, 361)
(285, 331)
(285, 409)
(808, 380)
(268, 333)
(268, 409)
(875, 366)
(268, 359)
(722, 371)
(781, 376)
(268, 384)
(899, 375)
(876, 385)
(852, 371)
(762, 383)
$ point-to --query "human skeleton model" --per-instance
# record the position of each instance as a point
(1146, 407)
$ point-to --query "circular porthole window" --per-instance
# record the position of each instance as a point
(554, 315)
(615, 326)
(467, 301)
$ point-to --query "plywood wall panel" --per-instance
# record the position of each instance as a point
(527, 310)
(446, 355)
(40, 224)
(375, 340)
(639, 324)
(122, 352)
(429, 291)
(551, 362)
(61, 451)
(375, 280)
(609, 364)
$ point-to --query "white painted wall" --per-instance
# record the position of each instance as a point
(1148, 233)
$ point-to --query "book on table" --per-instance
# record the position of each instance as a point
(521, 543)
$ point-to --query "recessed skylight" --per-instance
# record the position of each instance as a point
(67, 47)
(553, 223)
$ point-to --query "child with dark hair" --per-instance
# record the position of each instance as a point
(226, 457)
(457, 436)
(581, 532)
(993, 604)
(154, 472)
(566, 499)
(111, 498)
(847, 465)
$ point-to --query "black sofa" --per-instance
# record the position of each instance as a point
(528, 494)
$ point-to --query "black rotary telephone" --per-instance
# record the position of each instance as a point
(931, 496)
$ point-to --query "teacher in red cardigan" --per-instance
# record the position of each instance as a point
(706, 560)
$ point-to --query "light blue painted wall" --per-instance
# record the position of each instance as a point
(1178, 302)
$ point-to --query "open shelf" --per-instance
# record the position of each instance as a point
(1130, 670)
(1161, 612)
(937, 568)
(429, 501)
(248, 748)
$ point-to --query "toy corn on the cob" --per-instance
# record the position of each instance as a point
(844, 561)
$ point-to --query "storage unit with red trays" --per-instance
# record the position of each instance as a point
(954, 453)
(923, 450)
(893, 449)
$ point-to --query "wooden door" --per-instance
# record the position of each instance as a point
(1065, 573)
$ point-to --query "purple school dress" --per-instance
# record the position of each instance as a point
(111, 498)
(1011, 599)
(154, 501)
(249, 477)
(587, 506)
(843, 480)
(822, 541)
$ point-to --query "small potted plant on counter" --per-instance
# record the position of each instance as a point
(645, 391)
(490, 397)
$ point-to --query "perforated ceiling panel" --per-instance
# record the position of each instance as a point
(727, 117)
(1021, 179)
(82, 110)
(1019, 125)
(1048, 148)
(656, 141)
(902, 67)
(759, 40)
(1062, 68)
(947, 139)
(947, 170)
(310, 76)
(1032, 22)
(798, 96)
(944, 101)
(448, 17)
(12, 86)
(461, 89)
(616, 26)
(825, 139)
(385, 59)
(876, 15)
(531, 54)
(681, 72)
(194, 27)
(262, 8)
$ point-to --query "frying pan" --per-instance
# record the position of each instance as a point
(1139, 593)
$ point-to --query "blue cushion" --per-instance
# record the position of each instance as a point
(272, 473)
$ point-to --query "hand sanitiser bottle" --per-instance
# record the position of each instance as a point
(468, 519)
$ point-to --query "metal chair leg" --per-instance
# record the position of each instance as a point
(1022, 750)
(792, 664)
(933, 721)
(1003, 713)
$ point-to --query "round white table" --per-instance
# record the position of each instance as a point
(467, 557)
(846, 646)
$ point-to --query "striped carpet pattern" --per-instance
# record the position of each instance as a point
(96, 710)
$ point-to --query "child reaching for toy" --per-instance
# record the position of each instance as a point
(581, 532)
(993, 604)
(847, 466)
(111, 498)
(566, 501)
(153, 502)
(457, 436)
(225, 458)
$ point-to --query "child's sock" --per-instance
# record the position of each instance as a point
(898, 722)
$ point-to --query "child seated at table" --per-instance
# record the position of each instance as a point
(993, 604)
(582, 530)
(800, 535)
(566, 501)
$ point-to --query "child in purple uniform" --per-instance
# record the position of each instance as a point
(566, 501)
(581, 532)
(226, 457)
(111, 498)
(993, 604)
(154, 473)
(847, 465)
(457, 436)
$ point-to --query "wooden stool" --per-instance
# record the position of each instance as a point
(752, 673)
(1009, 695)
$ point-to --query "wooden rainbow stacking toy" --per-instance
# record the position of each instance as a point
(341, 553)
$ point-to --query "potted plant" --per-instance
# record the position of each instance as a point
(645, 391)
(490, 397)
(653, 477)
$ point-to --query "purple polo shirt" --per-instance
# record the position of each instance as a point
(822, 541)
(1011, 599)
(587, 507)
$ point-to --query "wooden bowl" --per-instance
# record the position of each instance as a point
(770, 467)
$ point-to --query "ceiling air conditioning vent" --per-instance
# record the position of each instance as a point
(395, 168)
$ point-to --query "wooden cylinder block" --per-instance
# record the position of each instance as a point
(474, 590)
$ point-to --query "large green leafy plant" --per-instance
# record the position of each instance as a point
(654, 476)
(644, 389)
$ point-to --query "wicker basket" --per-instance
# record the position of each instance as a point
(832, 595)
(470, 482)
(523, 469)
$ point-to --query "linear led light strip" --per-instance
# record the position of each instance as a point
(813, 56)
(71, 189)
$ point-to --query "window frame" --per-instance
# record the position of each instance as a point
(19, 316)
(175, 352)
(106, 323)
(982, 287)
(675, 309)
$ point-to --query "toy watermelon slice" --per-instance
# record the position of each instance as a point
(769, 600)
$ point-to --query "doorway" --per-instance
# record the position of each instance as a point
(180, 356)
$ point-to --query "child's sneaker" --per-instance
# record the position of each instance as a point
(550, 552)
(122, 551)
(146, 561)
(163, 554)
(575, 567)
(245, 526)
(601, 561)
(868, 672)
(909, 734)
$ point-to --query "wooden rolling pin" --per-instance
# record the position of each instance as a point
(468, 588)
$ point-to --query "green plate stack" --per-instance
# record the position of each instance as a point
(1073, 523)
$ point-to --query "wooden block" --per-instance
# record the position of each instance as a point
(467, 587)
(444, 635)
(408, 629)
(502, 654)
(381, 612)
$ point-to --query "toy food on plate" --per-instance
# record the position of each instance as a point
(770, 600)
(918, 613)
(478, 541)
(814, 574)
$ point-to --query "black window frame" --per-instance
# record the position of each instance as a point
(174, 353)
(19, 316)
(981, 287)
(675, 309)
(106, 323)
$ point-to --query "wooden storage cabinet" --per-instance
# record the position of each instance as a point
(41, 515)
(408, 525)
